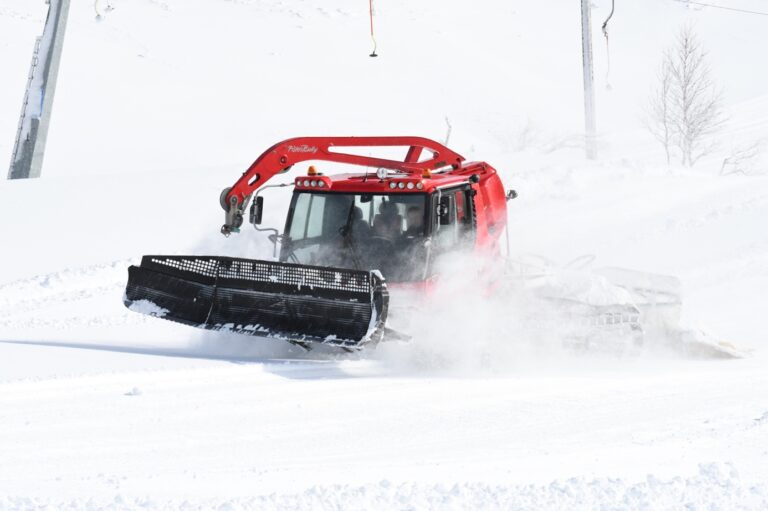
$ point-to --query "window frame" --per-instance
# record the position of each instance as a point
(287, 240)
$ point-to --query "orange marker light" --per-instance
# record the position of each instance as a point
(312, 171)
(426, 174)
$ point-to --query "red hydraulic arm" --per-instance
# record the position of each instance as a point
(283, 155)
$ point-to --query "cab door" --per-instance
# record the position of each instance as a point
(452, 225)
(453, 219)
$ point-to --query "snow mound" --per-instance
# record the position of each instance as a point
(148, 308)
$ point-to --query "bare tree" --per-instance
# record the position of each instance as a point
(526, 136)
(686, 110)
(660, 120)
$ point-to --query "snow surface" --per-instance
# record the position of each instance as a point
(162, 103)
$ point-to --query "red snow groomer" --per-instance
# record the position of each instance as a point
(347, 237)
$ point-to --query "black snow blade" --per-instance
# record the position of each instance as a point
(293, 302)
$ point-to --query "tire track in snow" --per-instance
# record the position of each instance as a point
(24, 303)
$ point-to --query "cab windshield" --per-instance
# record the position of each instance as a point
(359, 231)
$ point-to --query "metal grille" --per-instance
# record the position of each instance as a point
(606, 316)
(205, 267)
(332, 306)
(268, 272)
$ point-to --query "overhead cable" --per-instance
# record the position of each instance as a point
(746, 11)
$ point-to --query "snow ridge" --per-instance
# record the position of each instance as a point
(715, 486)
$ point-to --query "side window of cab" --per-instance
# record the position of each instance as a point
(454, 222)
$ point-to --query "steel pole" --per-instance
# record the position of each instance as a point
(589, 90)
(29, 149)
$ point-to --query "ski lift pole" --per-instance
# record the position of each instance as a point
(29, 149)
(589, 91)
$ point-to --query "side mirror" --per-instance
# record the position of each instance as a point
(444, 210)
(257, 208)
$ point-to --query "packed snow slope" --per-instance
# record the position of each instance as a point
(162, 103)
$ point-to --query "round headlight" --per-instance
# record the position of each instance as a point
(401, 185)
(410, 186)
(381, 173)
(320, 184)
(306, 182)
(393, 185)
(314, 183)
(419, 186)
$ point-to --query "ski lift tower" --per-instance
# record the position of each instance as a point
(28, 152)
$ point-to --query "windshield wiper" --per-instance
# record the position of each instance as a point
(289, 251)
(346, 232)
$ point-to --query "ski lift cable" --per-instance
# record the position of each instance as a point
(607, 46)
(746, 11)
(373, 38)
(605, 23)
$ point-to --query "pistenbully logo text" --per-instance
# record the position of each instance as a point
(302, 149)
